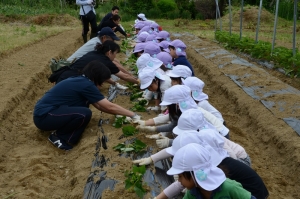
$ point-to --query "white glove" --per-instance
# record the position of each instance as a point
(89, 1)
(155, 136)
(143, 161)
(135, 118)
(175, 177)
(146, 128)
(163, 143)
(127, 119)
(140, 122)
(121, 87)
(154, 108)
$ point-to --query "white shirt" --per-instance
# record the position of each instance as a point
(208, 107)
(87, 47)
(87, 7)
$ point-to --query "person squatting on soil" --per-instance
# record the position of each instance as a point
(105, 53)
(114, 24)
(64, 109)
(87, 16)
(215, 144)
(178, 99)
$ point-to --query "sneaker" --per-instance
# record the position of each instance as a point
(121, 87)
(59, 143)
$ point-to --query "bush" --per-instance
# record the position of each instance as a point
(186, 14)
(154, 13)
(166, 5)
(199, 16)
(173, 14)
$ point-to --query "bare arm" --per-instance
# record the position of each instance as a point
(108, 107)
(121, 68)
(127, 77)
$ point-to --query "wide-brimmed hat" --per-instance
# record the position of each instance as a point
(152, 48)
(196, 85)
(166, 58)
(142, 37)
(147, 75)
(194, 157)
(139, 47)
(179, 46)
(142, 16)
(163, 35)
(180, 71)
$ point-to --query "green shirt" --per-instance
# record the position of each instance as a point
(229, 189)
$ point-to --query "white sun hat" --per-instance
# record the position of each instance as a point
(194, 157)
(192, 120)
(216, 151)
(142, 60)
(196, 85)
(180, 71)
(142, 16)
(181, 95)
(147, 75)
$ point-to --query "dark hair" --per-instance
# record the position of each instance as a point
(115, 8)
(187, 174)
(115, 17)
(178, 79)
(107, 46)
(96, 72)
(174, 112)
(136, 54)
(172, 47)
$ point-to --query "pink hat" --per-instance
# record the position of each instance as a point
(194, 157)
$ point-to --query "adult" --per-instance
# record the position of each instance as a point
(103, 35)
(105, 53)
(87, 16)
(64, 109)
(114, 24)
(114, 11)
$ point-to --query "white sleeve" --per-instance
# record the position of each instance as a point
(174, 189)
(161, 119)
(215, 122)
(208, 107)
(161, 155)
(229, 150)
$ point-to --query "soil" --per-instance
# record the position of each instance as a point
(31, 167)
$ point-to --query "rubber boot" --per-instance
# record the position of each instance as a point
(93, 35)
(84, 38)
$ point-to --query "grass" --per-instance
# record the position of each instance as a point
(15, 35)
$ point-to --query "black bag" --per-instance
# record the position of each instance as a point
(56, 74)
(90, 15)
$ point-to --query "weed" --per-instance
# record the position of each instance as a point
(136, 146)
(134, 181)
(129, 131)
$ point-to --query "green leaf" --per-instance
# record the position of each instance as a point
(139, 145)
(128, 184)
(139, 169)
(119, 147)
(129, 131)
(139, 191)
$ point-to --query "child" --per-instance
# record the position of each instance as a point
(152, 48)
(139, 49)
(179, 73)
(196, 85)
(192, 163)
(177, 51)
(163, 36)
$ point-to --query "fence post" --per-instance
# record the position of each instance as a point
(275, 25)
(258, 21)
(230, 16)
(295, 27)
(241, 19)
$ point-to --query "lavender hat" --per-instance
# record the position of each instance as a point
(163, 35)
(151, 37)
(144, 29)
(152, 48)
(142, 37)
(154, 26)
(139, 47)
(180, 47)
(166, 58)
(164, 44)
(139, 25)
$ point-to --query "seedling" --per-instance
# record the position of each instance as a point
(140, 106)
(136, 96)
(129, 131)
(119, 121)
(136, 146)
(134, 181)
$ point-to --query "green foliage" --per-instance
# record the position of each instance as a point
(137, 6)
(135, 96)
(134, 181)
(119, 121)
(281, 56)
(166, 5)
(186, 14)
(140, 106)
(175, 14)
(154, 13)
(129, 131)
(136, 146)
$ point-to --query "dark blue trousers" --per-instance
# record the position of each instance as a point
(68, 122)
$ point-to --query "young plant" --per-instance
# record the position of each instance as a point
(119, 121)
(134, 181)
(129, 131)
(136, 146)
(140, 106)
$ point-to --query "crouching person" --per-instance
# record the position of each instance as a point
(64, 109)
